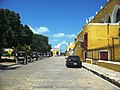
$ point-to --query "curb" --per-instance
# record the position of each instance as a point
(104, 77)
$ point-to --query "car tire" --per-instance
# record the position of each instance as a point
(16, 61)
(80, 66)
(36, 59)
(67, 66)
(25, 61)
(31, 60)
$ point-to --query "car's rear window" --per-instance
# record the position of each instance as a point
(5, 55)
(74, 58)
(21, 54)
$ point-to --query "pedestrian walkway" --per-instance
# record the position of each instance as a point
(4, 65)
(7, 63)
(110, 75)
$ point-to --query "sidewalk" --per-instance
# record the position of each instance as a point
(109, 75)
(4, 65)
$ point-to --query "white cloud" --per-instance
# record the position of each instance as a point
(71, 35)
(39, 30)
(42, 29)
(58, 35)
(54, 40)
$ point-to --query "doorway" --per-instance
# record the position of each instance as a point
(104, 55)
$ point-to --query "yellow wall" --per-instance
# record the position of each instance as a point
(100, 36)
(112, 66)
(117, 53)
(79, 52)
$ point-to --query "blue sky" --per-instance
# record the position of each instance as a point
(60, 20)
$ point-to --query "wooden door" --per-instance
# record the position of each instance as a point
(103, 55)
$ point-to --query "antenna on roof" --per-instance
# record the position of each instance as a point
(101, 7)
(96, 12)
(108, 0)
(87, 21)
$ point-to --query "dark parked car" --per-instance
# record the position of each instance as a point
(29, 57)
(34, 56)
(21, 57)
(39, 56)
(73, 61)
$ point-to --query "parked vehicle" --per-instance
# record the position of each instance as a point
(39, 56)
(21, 57)
(34, 56)
(44, 55)
(48, 54)
(73, 61)
(5, 56)
(29, 57)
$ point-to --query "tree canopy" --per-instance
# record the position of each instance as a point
(15, 35)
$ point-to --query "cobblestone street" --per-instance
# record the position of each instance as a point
(51, 74)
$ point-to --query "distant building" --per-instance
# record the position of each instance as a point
(56, 50)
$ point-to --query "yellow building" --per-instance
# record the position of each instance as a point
(99, 40)
(55, 52)
(69, 49)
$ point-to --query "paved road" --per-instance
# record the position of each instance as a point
(51, 74)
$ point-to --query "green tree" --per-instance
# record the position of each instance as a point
(40, 43)
(14, 34)
(25, 36)
(9, 25)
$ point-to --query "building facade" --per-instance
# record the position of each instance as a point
(99, 40)
(69, 49)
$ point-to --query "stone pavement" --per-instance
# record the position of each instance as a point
(110, 75)
(51, 74)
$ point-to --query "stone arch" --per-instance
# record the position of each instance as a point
(108, 18)
(56, 51)
(59, 45)
(62, 43)
(116, 14)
